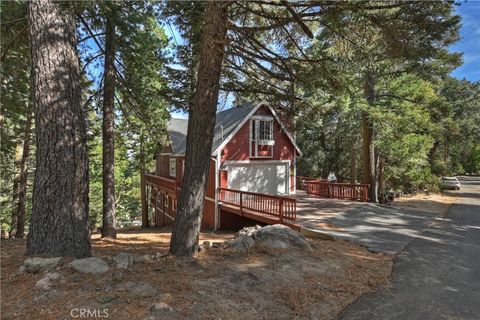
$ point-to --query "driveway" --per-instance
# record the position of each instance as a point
(437, 276)
(379, 228)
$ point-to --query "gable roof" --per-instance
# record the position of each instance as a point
(227, 124)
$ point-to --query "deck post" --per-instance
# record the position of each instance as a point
(280, 210)
(143, 196)
(241, 203)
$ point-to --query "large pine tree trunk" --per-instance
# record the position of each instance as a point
(143, 196)
(108, 227)
(59, 222)
(22, 183)
(369, 168)
(201, 123)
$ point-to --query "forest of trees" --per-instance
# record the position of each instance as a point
(87, 89)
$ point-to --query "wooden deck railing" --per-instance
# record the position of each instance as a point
(168, 185)
(301, 181)
(282, 208)
(346, 191)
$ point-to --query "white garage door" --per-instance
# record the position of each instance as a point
(269, 178)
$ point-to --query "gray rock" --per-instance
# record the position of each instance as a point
(142, 259)
(90, 265)
(277, 237)
(161, 310)
(34, 265)
(160, 255)
(47, 281)
(248, 231)
(138, 289)
(217, 245)
(241, 243)
(124, 260)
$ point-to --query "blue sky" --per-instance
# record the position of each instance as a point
(469, 43)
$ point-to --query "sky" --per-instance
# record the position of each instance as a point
(469, 43)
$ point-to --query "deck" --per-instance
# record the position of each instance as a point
(264, 208)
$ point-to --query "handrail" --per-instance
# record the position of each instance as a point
(170, 186)
(337, 190)
(257, 194)
(281, 207)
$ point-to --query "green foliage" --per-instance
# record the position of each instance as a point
(14, 99)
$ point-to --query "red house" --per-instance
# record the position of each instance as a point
(252, 169)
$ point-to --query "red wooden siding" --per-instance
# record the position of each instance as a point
(238, 147)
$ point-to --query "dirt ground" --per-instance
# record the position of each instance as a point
(217, 284)
(436, 203)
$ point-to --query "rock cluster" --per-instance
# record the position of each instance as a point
(90, 265)
(37, 264)
(270, 239)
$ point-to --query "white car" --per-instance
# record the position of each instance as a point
(450, 183)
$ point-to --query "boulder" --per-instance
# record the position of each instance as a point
(123, 260)
(143, 258)
(241, 243)
(277, 237)
(161, 310)
(34, 265)
(138, 289)
(90, 265)
(248, 231)
(46, 282)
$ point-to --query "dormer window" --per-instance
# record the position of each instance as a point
(261, 136)
(265, 128)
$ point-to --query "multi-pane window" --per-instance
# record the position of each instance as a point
(173, 167)
(265, 130)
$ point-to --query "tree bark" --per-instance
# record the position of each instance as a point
(353, 162)
(22, 184)
(143, 196)
(108, 129)
(381, 175)
(59, 221)
(368, 136)
(433, 152)
(201, 124)
(16, 180)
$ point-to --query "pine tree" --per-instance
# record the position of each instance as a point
(59, 222)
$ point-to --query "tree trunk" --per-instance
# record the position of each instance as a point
(381, 175)
(108, 126)
(59, 221)
(16, 180)
(369, 172)
(432, 152)
(201, 123)
(143, 196)
(353, 162)
(22, 184)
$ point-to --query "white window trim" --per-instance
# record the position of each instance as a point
(257, 119)
(174, 162)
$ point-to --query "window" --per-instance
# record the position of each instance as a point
(173, 167)
(265, 130)
(165, 201)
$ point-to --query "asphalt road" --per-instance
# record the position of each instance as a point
(437, 276)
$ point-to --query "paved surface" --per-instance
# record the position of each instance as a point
(437, 276)
(379, 228)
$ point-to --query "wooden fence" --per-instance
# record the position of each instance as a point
(282, 208)
(345, 191)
